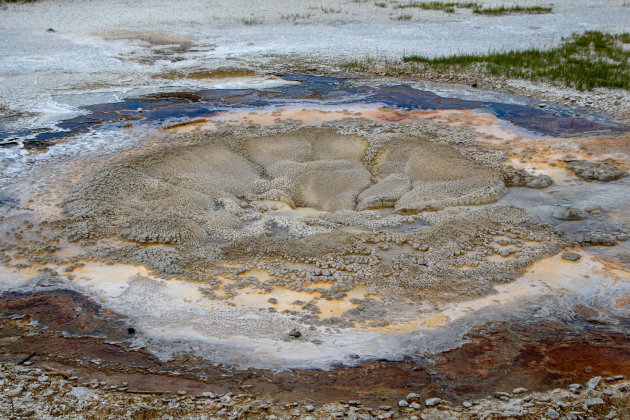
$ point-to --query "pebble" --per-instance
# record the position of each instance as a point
(593, 382)
(310, 408)
(413, 397)
(431, 402)
(402, 403)
(502, 395)
(552, 414)
(589, 402)
(519, 390)
(571, 256)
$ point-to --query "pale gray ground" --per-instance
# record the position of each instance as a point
(109, 48)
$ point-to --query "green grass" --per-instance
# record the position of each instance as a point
(514, 9)
(585, 61)
(449, 7)
(404, 16)
(380, 4)
(252, 21)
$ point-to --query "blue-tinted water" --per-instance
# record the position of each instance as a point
(160, 108)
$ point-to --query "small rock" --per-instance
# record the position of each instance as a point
(310, 408)
(415, 406)
(611, 415)
(571, 256)
(593, 382)
(295, 333)
(413, 397)
(574, 388)
(552, 414)
(502, 395)
(570, 213)
(592, 208)
(181, 392)
(402, 403)
(590, 402)
(467, 404)
(432, 402)
(519, 390)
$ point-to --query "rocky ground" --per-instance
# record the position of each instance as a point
(45, 392)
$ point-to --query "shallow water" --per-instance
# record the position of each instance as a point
(172, 107)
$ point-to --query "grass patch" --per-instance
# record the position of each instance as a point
(380, 4)
(358, 64)
(514, 9)
(448, 7)
(404, 16)
(252, 21)
(296, 17)
(328, 10)
(585, 61)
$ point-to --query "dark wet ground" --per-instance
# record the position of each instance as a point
(171, 107)
(67, 330)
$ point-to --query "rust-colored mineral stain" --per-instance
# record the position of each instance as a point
(494, 357)
(538, 357)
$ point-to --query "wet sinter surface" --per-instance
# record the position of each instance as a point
(328, 237)
(171, 107)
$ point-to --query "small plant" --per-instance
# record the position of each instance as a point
(252, 21)
(296, 17)
(383, 5)
(514, 9)
(403, 17)
(358, 64)
(448, 7)
(328, 10)
(586, 61)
